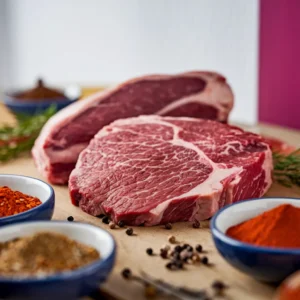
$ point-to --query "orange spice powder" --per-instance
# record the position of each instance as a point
(15, 202)
(278, 227)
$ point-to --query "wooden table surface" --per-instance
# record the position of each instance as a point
(131, 250)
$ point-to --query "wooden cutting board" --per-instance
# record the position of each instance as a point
(131, 249)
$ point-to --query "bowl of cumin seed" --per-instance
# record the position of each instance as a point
(53, 260)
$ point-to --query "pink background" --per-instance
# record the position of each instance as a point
(279, 74)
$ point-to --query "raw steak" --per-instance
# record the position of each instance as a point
(193, 94)
(151, 170)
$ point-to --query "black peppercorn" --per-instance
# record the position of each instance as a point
(196, 224)
(171, 266)
(190, 249)
(178, 264)
(199, 248)
(121, 224)
(149, 251)
(204, 260)
(105, 220)
(176, 255)
(70, 219)
(163, 253)
(168, 226)
(219, 287)
(129, 231)
(185, 246)
(126, 273)
(178, 248)
(101, 216)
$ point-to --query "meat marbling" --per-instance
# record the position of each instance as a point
(152, 170)
(192, 94)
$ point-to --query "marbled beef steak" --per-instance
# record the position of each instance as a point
(192, 94)
(152, 170)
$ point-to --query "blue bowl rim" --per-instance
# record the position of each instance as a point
(8, 99)
(249, 247)
(70, 275)
(28, 212)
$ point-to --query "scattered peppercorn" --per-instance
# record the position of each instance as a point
(178, 264)
(168, 226)
(199, 248)
(171, 266)
(126, 273)
(196, 224)
(176, 255)
(172, 239)
(129, 231)
(218, 287)
(149, 251)
(70, 219)
(112, 225)
(178, 248)
(105, 220)
(101, 216)
(163, 253)
(185, 246)
(121, 224)
(190, 249)
(196, 257)
(183, 254)
(166, 247)
(204, 260)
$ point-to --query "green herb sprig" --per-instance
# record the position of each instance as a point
(15, 140)
(287, 168)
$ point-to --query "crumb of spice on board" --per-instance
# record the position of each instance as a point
(15, 202)
(278, 227)
(43, 254)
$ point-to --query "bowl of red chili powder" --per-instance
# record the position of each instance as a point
(260, 237)
(24, 198)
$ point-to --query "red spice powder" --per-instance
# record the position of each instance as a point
(15, 202)
(278, 227)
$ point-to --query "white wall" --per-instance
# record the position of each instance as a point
(95, 41)
(5, 70)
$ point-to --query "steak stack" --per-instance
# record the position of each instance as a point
(192, 94)
(152, 170)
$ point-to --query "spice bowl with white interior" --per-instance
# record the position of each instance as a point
(68, 284)
(268, 264)
(31, 187)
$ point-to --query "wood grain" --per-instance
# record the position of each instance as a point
(131, 250)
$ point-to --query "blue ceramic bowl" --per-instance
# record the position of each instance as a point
(33, 187)
(67, 285)
(263, 263)
(31, 107)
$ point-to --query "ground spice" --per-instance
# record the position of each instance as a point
(278, 227)
(40, 93)
(43, 254)
(290, 288)
(15, 202)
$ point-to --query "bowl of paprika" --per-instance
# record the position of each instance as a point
(260, 237)
(24, 198)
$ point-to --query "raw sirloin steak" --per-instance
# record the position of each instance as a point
(152, 170)
(193, 94)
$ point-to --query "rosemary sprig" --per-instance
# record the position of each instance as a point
(287, 168)
(15, 140)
